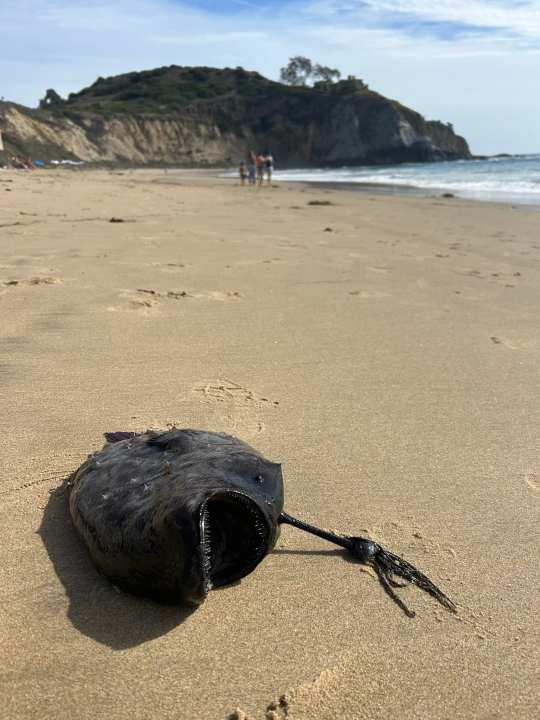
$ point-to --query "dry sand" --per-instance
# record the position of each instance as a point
(391, 363)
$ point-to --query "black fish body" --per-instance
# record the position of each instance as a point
(171, 515)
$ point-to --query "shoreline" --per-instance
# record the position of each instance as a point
(227, 176)
(389, 189)
(401, 190)
(383, 188)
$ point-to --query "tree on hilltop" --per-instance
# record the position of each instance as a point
(297, 72)
(326, 74)
(300, 70)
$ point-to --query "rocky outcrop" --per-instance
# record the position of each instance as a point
(302, 127)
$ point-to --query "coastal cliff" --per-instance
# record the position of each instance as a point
(207, 117)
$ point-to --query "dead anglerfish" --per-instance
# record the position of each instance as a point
(171, 515)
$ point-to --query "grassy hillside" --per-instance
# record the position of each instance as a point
(168, 89)
(174, 88)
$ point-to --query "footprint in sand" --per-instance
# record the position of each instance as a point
(146, 307)
(290, 245)
(151, 242)
(233, 407)
(469, 272)
(142, 302)
(514, 344)
(170, 267)
(147, 300)
(180, 294)
(170, 294)
(532, 482)
(219, 295)
(39, 280)
(368, 294)
(226, 391)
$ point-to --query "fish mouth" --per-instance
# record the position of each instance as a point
(234, 537)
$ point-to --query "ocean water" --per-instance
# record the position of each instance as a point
(514, 179)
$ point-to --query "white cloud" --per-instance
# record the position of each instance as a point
(520, 18)
(477, 80)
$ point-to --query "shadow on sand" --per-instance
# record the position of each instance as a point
(341, 553)
(96, 608)
(324, 553)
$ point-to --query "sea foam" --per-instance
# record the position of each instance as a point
(510, 179)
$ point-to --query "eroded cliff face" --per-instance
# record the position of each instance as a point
(45, 137)
(313, 130)
(122, 138)
(358, 129)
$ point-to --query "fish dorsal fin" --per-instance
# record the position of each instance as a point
(184, 441)
(174, 440)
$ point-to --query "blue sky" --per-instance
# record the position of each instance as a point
(475, 63)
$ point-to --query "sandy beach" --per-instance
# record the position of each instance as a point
(384, 349)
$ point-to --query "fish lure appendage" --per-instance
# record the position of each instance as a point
(386, 564)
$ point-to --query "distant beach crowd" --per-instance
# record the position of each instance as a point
(20, 163)
(256, 168)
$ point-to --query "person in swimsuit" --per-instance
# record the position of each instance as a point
(269, 166)
(243, 172)
(252, 168)
(260, 162)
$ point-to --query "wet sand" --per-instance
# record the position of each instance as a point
(384, 349)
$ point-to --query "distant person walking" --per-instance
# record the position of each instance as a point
(252, 168)
(269, 166)
(243, 172)
(261, 163)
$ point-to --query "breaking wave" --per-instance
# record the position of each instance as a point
(514, 179)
